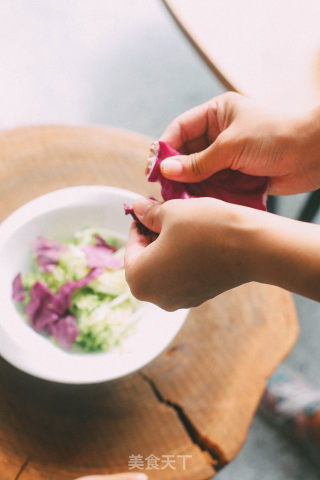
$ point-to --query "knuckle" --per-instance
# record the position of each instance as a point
(168, 307)
(128, 272)
(225, 142)
(195, 165)
(152, 217)
(167, 206)
(150, 220)
(136, 286)
(179, 126)
(137, 291)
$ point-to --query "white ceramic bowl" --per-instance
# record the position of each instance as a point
(55, 215)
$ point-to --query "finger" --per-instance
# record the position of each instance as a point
(116, 476)
(196, 145)
(135, 245)
(192, 124)
(197, 166)
(149, 213)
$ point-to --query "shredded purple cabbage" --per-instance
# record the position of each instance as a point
(48, 253)
(18, 290)
(98, 255)
(102, 243)
(62, 300)
(102, 255)
(65, 331)
(49, 311)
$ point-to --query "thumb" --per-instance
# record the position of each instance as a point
(149, 213)
(196, 166)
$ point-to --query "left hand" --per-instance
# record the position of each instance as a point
(231, 131)
(199, 253)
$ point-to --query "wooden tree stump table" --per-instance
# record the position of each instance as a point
(195, 402)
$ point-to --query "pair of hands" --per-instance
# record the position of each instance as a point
(206, 246)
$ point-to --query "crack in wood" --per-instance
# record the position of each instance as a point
(23, 466)
(191, 430)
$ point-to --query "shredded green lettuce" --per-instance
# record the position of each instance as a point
(105, 310)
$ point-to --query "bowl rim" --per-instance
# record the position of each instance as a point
(41, 205)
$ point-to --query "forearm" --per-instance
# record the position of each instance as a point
(289, 250)
(286, 253)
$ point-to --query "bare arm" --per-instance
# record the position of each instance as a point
(206, 246)
(231, 131)
(286, 253)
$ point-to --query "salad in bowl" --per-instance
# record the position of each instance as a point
(67, 314)
(76, 292)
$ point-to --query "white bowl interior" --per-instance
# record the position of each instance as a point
(58, 215)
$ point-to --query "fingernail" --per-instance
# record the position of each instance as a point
(141, 206)
(170, 166)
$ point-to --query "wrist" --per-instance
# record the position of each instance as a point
(285, 253)
(242, 242)
(248, 237)
(267, 239)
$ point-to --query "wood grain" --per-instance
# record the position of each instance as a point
(197, 398)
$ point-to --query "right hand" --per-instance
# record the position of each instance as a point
(231, 131)
(203, 249)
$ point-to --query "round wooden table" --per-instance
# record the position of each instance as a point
(192, 406)
(269, 51)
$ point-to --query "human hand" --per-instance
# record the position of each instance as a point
(116, 476)
(206, 246)
(231, 131)
(199, 253)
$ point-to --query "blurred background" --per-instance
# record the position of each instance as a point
(125, 63)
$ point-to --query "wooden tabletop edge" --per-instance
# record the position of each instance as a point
(213, 66)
